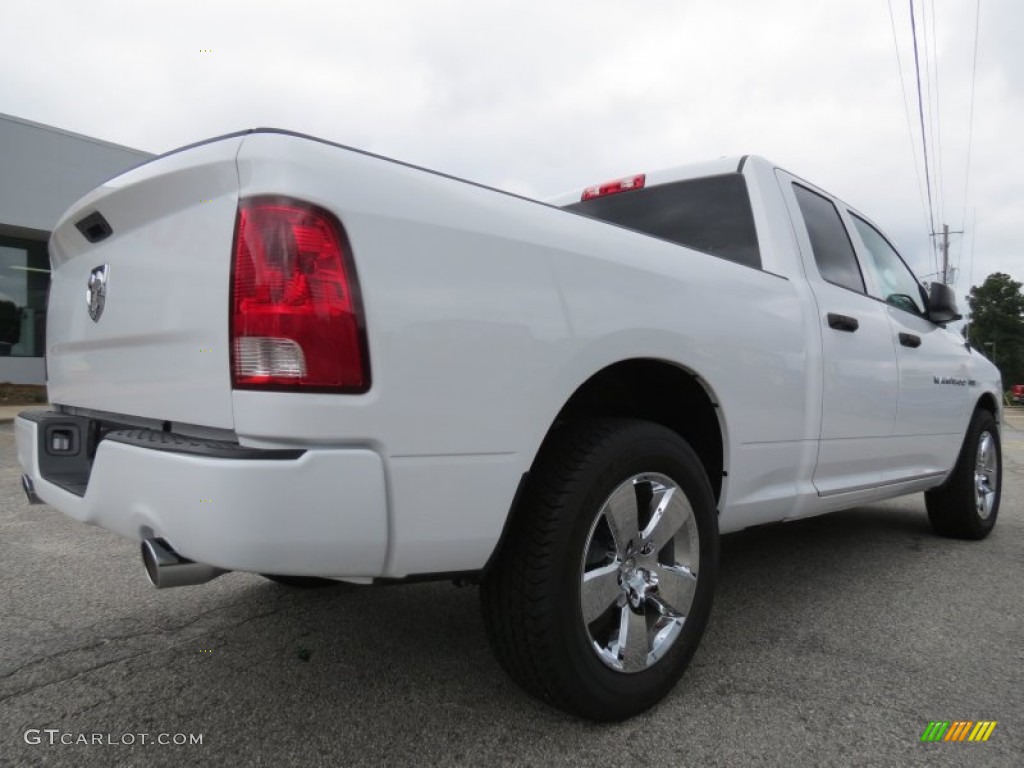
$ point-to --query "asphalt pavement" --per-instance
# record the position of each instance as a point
(834, 641)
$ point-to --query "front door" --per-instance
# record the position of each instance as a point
(935, 392)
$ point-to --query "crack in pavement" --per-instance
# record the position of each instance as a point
(106, 641)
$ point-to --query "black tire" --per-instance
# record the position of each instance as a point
(955, 508)
(531, 594)
(300, 582)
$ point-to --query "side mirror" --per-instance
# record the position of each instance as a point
(942, 304)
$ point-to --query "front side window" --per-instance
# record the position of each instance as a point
(896, 283)
(830, 242)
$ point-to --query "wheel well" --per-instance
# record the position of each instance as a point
(655, 391)
(988, 403)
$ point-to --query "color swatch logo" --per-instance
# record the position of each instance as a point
(958, 730)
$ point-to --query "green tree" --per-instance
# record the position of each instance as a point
(997, 324)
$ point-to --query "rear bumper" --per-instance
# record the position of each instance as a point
(322, 513)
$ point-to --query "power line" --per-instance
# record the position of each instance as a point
(930, 102)
(920, 111)
(970, 119)
(936, 115)
(906, 113)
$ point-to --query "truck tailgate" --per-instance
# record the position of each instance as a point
(156, 344)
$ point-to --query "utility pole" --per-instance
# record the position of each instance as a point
(944, 247)
(945, 253)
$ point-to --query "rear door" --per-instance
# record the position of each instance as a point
(860, 381)
(935, 395)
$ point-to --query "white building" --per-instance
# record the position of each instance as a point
(43, 170)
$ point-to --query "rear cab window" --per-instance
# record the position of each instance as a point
(710, 214)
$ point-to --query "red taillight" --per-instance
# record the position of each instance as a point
(612, 187)
(296, 318)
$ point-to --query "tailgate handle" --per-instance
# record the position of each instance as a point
(842, 322)
(94, 227)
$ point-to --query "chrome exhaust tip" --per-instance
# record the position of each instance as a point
(166, 568)
(30, 490)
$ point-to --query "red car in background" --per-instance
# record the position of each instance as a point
(1017, 394)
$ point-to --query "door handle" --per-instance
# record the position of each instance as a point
(842, 322)
(910, 340)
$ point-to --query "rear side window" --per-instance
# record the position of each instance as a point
(711, 214)
(833, 251)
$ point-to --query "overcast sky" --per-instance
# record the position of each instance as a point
(541, 97)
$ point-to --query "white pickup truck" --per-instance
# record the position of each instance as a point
(270, 353)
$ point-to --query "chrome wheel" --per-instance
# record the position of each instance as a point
(639, 573)
(967, 504)
(593, 603)
(986, 474)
